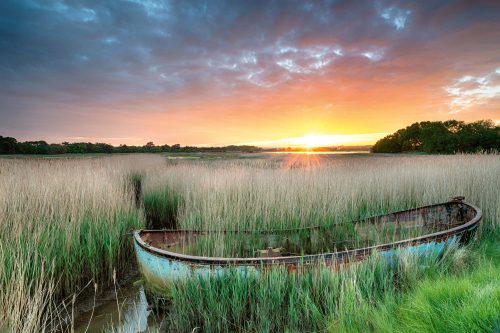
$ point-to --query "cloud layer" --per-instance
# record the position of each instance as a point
(179, 71)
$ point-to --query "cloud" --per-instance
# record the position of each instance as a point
(64, 60)
(306, 60)
(103, 50)
(471, 91)
(373, 55)
(155, 8)
(396, 16)
(278, 63)
(273, 64)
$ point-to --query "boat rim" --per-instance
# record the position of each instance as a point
(221, 261)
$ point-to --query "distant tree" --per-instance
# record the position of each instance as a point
(151, 148)
(438, 137)
(388, 144)
(8, 145)
(101, 148)
(12, 146)
(122, 149)
(410, 137)
(55, 148)
(33, 147)
(479, 135)
(77, 148)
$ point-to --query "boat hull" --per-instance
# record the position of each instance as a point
(159, 272)
(160, 268)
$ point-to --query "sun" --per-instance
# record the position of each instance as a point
(313, 141)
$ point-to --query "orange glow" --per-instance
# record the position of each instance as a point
(311, 141)
(303, 77)
(296, 113)
(322, 140)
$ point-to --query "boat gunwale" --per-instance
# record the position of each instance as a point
(327, 256)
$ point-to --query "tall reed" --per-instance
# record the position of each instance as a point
(308, 301)
(63, 223)
(290, 191)
(282, 192)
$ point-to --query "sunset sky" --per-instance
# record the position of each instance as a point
(243, 72)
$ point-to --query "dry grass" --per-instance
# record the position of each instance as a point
(295, 191)
(290, 191)
(62, 223)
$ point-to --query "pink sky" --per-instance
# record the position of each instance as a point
(237, 73)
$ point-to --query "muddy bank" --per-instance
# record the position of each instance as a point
(121, 309)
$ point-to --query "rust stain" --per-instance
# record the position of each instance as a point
(457, 218)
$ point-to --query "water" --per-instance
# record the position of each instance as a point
(127, 313)
(305, 152)
(127, 310)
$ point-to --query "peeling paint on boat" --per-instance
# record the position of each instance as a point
(160, 268)
(158, 271)
(427, 249)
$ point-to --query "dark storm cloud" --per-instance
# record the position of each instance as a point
(58, 54)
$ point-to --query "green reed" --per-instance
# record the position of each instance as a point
(311, 299)
(64, 224)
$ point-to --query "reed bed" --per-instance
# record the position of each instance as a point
(284, 192)
(62, 225)
(313, 300)
(462, 296)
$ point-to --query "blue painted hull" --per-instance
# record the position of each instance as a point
(159, 268)
(159, 272)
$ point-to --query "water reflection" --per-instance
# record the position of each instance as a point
(129, 313)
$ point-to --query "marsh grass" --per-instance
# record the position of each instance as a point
(287, 192)
(63, 221)
(457, 291)
(282, 193)
(275, 193)
(62, 225)
(296, 242)
(462, 297)
(161, 209)
(312, 299)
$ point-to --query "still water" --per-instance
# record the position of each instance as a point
(126, 311)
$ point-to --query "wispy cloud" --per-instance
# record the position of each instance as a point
(396, 16)
(275, 63)
(159, 62)
(278, 63)
(373, 55)
(471, 91)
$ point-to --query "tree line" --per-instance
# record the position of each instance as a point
(442, 137)
(10, 145)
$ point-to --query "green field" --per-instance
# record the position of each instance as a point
(64, 223)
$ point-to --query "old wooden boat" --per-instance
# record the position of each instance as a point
(163, 256)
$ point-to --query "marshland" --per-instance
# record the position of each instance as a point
(249, 166)
(66, 256)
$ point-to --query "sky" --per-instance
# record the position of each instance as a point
(271, 73)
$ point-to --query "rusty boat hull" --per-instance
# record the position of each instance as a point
(160, 266)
